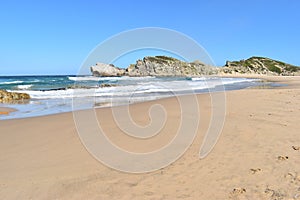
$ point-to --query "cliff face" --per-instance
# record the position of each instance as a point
(156, 66)
(167, 66)
(260, 65)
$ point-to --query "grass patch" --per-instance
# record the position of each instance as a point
(273, 68)
(166, 58)
(162, 59)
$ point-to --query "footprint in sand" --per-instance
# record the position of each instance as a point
(274, 194)
(296, 148)
(293, 177)
(237, 191)
(253, 171)
(282, 157)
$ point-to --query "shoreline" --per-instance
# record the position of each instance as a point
(290, 81)
(275, 79)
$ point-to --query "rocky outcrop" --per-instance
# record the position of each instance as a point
(104, 85)
(260, 65)
(161, 66)
(101, 69)
(156, 66)
(13, 97)
(167, 66)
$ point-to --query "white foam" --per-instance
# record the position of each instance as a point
(85, 78)
(93, 78)
(139, 88)
(24, 87)
(199, 79)
(236, 80)
(11, 82)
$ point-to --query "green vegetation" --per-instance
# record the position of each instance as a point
(157, 60)
(272, 65)
(256, 63)
(275, 69)
(162, 59)
(247, 63)
(166, 58)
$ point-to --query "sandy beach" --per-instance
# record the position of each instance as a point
(257, 155)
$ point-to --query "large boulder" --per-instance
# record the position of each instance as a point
(13, 97)
(101, 69)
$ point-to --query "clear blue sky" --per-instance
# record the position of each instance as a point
(54, 37)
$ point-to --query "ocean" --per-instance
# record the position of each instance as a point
(56, 94)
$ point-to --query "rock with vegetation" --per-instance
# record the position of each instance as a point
(161, 66)
(168, 66)
(260, 65)
(13, 97)
(107, 70)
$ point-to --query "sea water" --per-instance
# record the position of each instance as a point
(56, 94)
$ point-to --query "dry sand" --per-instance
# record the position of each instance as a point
(256, 157)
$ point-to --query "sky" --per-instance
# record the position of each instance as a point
(55, 37)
